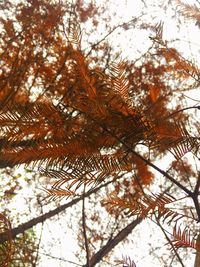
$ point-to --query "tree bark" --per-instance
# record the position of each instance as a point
(97, 257)
(197, 258)
(40, 219)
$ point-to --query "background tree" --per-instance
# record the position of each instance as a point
(86, 122)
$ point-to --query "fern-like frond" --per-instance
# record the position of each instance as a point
(119, 81)
(20, 123)
(83, 73)
(74, 35)
(128, 205)
(185, 143)
(126, 261)
(183, 238)
(145, 206)
(158, 29)
(189, 11)
(67, 182)
(24, 114)
(55, 193)
(157, 205)
(72, 155)
(170, 216)
(71, 178)
(176, 139)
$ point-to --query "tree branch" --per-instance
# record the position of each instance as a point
(111, 31)
(149, 163)
(170, 242)
(97, 257)
(40, 219)
(197, 258)
(84, 231)
(181, 110)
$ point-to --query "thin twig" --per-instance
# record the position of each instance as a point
(111, 31)
(195, 199)
(196, 190)
(181, 110)
(40, 219)
(170, 242)
(84, 231)
(146, 161)
(149, 163)
(113, 242)
(38, 246)
(60, 259)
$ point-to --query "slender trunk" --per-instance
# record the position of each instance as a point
(197, 258)
(40, 219)
(97, 257)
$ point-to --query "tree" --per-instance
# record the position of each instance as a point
(88, 124)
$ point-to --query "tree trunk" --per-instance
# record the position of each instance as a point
(97, 257)
(197, 258)
(40, 219)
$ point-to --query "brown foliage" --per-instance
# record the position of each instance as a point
(82, 124)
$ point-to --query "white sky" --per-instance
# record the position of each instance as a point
(187, 40)
(138, 41)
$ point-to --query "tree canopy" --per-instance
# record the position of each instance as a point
(98, 129)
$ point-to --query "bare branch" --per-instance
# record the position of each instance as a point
(84, 231)
(40, 219)
(170, 242)
(97, 257)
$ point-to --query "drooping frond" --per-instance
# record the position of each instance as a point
(54, 193)
(189, 11)
(158, 38)
(74, 154)
(21, 123)
(145, 206)
(119, 81)
(157, 205)
(89, 171)
(75, 178)
(74, 35)
(126, 261)
(175, 138)
(183, 238)
(183, 142)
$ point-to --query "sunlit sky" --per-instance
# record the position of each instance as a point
(131, 44)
